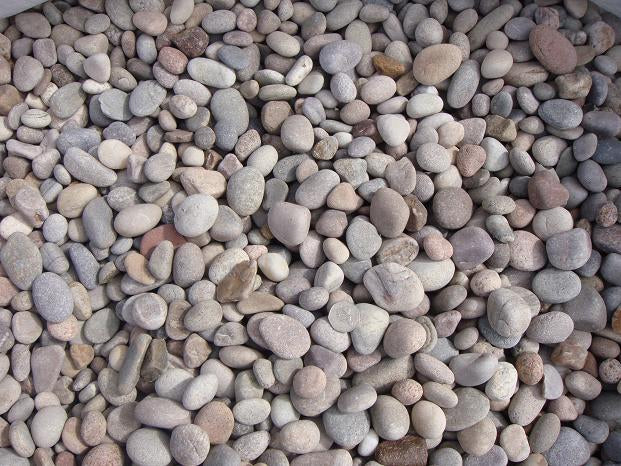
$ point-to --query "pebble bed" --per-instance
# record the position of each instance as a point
(324, 233)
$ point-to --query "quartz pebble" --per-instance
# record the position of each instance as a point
(325, 232)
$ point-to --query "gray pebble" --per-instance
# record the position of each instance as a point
(52, 297)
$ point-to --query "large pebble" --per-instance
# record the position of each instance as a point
(21, 260)
(552, 49)
(52, 297)
(436, 63)
(196, 215)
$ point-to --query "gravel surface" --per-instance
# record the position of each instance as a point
(333, 233)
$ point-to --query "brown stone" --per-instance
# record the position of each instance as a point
(136, 267)
(411, 450)
(529, 367)
(418, 213)
(569, 355)
(66, 458)
(71, 436)
(470, 159)
(590, 365)
(574, 85)
(366, 128)
(65, 330)
(325, 148)
(343, 197)
(436, 63)
(196, 350)
(273, 114)
(238, 283)
(563, 408)
(154, 237)
(217, 420)
(197, 180)
(155, 361)
(547, 16)
(407, 391)
(388, 65)
(173, 60)
(81, 355)
(500, 128)
(607, 215)
(9, 98)
(437, 248)
(552, 49)
(259, 301)
(61, 75)
(192, 42)
(546, 192)
(178, 136)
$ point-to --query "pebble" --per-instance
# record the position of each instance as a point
(189, 444)
(244, 191)
(136, 220)
(196, 214)
(404, 337)
(289, 223)
(411, 449)
(556, 286)
(452, 207)
(508, 313)
(210, 73)
(428, 420)
(569, 448)
(472, 406)
(390, 418)
(436, 63)
(473, 369)
(479, 438)
(552, 327)
(339, 56)
(552, 49)
(21, 260)
(560, 114)
(300, 436)
(285, 336)
(149, 446)
(52, 297)
(394, 287)
(47, 425)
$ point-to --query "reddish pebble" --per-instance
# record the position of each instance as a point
(154, 237)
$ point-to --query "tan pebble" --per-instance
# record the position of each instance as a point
(81, 355)
(407, 391)
(436, 63)
(217, 420)
(437, 247)
(73, 199)
(388, 65)
(136, 266)
(65, 330)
